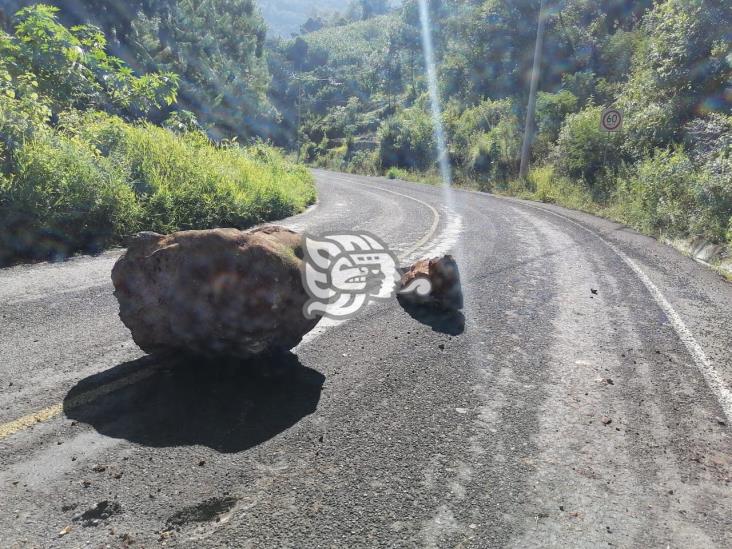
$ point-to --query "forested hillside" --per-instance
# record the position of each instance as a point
(215, 48)
(361, 93)
(92, 151)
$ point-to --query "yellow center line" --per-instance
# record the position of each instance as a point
(46, 414)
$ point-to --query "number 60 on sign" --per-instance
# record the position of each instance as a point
(611, 120)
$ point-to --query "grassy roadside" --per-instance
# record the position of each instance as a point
(652, 216)
(96, 179)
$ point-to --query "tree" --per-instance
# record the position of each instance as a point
(217, 48)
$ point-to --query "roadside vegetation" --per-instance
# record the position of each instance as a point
(666, 64)
(83, 163)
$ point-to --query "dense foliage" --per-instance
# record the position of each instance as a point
(361, 93)
(215, 49)
(81, 167)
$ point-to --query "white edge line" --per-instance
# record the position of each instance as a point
(704, 365)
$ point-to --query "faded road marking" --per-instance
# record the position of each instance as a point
(87, 397)
(46, 414)
(435, 215)
(712, 378)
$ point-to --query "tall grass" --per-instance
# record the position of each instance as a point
(98, 179)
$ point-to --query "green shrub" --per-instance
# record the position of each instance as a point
(395, 173)
(551, 110)
(668, 194)
(98, 179)
(364, 162)
(495, 154)
(465, 125)
(63, 198)
(406, 140)
(584, 151)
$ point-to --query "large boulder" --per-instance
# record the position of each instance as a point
(215, 292)
(444, 290)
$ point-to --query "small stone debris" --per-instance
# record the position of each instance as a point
(202, 463)
(461, 410)
(606, 420)
(100, 512)
(606, 381)
(64, 531)
(69, 507)
(594, 292)
(320, 438)
(720, 421)
(86, 483)
(99, 468)
(441, 346)
(118, 476)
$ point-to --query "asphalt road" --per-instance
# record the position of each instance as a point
(557, 417)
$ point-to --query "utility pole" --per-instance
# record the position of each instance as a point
(531, 108)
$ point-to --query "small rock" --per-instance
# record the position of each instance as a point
(64, 531)
(461, 410)
(202, 463)
(444, 278)
(99, 468)
(86, 483)
(594, 292)
(606, 420)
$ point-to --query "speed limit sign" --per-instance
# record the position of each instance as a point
(611, 120)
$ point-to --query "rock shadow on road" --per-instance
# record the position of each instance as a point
(228, 406)
(450, 322)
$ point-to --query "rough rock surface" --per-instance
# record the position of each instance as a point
(444, 277)
(215, 292)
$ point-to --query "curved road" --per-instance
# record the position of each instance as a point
(557, 417)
